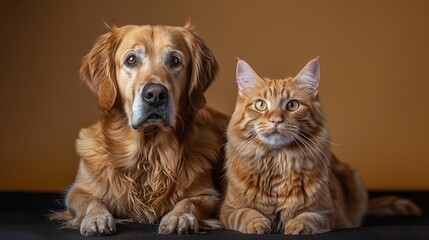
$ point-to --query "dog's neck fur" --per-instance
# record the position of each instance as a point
(151, 174)
(146, 156)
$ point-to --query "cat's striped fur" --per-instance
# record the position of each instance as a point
(280, 172)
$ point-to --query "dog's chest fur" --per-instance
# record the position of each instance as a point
(135, 174)
(134, 177)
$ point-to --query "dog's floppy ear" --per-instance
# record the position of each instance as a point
(203, 70)
(98, 69)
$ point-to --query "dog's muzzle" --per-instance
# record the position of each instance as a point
(154, 105)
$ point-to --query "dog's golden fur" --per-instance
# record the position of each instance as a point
(158, 171)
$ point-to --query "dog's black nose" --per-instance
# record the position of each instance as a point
(155, 94)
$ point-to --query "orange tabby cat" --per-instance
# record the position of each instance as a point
(281, 175)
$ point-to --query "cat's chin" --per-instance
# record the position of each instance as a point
(276, 140)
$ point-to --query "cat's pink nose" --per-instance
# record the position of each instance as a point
(276, 120)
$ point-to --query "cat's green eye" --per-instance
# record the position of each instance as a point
(292, 105)
(261, 105)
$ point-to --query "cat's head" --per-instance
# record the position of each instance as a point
(278, 113)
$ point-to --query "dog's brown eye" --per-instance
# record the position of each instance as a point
(174, 61)
(131, 59)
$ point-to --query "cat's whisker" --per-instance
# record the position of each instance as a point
(309, 147)
(297, 141)
(316, 144)
(243, 146)
(316, 138)
(319, 151)
(306, 146)
(323, 128)
(327, 133)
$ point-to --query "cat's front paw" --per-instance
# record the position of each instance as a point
(294, 227)
(97, 223)
(258, 225)
(300, 226)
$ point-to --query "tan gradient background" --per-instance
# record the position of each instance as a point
(374, 77)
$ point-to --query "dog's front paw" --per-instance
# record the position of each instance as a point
(98, 224)
(178, 223)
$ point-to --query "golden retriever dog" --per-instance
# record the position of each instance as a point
(150, 158)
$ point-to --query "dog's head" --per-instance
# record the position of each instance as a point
(154, 73)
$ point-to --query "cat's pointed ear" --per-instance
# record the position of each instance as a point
(310, 75)
(247, 78)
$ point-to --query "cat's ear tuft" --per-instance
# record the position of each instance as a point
(310, 75)
(247, 78)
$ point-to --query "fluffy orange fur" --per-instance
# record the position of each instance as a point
(281, 174)
(159, 171)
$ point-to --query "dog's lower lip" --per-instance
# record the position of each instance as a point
(151, 119)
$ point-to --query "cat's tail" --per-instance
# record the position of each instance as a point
(392, 205)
